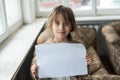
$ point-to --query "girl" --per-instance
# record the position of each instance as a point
(62, 22)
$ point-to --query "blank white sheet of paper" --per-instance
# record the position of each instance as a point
(61, 59)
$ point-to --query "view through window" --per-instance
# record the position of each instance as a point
(108, 4)
(81, 7)
(75, 4)
(1, 28)
(10, 14)
(1, 20)
(12, 10)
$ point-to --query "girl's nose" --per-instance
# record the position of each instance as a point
(61, 26)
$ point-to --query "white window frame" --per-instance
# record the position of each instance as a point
(3, 16)
(93, 12)
(108, 11)
(77, 13)
(115, 11)
(13, 26)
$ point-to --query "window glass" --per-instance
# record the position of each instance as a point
(12, 11)
(1, 24)
(108, 4)
(76, 4)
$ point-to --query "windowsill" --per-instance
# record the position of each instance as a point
(15, 48)
(98, 18)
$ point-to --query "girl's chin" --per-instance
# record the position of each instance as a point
(61, 36)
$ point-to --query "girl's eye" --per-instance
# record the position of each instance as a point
(66, 24)
(57, 23)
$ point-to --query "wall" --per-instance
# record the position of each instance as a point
(28, 11)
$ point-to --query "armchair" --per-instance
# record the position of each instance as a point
(111, 33)
(88, 36)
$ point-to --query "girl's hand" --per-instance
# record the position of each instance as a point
(34, 71)
(89, 59)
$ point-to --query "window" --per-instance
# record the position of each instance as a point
(1, 18)
(81, 7)
(109, 4)
(1, 28)
(10, 17)
(77, 5)
(106, 6)
(12, 11)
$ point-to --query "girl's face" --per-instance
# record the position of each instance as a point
(61, 28)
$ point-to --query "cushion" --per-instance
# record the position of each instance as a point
(110, 34)
(96, 65)
(44, 36)
(47, 33)
(112, 38)
(88, 36)
(107, 29)
(116, 26)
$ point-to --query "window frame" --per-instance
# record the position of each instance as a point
(9, 29)
(108, 11)
(3, 16)
(93, 12)
(77, 13)
(115, 11)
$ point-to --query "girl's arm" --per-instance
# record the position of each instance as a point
(34, 68)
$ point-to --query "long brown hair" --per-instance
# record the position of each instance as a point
(68, 15)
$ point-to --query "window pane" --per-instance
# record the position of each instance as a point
(108, 4)
(12, 10)
(1, 25)
(76, 4)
